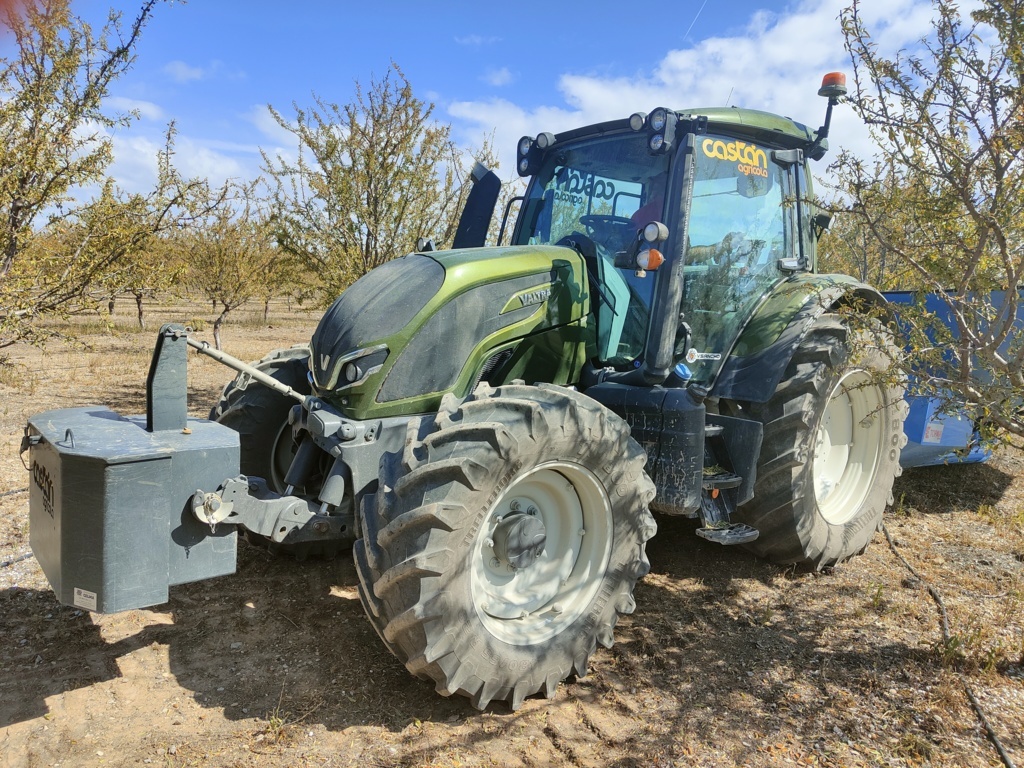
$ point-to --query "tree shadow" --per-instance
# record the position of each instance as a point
(290, 640)
(744, 663)
(277, 636)
(950, 488)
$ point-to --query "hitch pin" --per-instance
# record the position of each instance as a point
(211, 509)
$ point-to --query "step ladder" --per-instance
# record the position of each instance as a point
(715, 511)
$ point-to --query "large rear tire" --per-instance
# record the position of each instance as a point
(833, 431)
(542, 476)
(260, 415)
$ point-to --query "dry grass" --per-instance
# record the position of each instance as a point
(727, 661)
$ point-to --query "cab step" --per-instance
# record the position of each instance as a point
(729, 533)
(721, 481)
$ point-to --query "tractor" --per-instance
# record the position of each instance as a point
(490, 428)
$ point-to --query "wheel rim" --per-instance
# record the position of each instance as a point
(534, 603)
(848, 447)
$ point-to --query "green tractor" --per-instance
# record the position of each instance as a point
(490, 427)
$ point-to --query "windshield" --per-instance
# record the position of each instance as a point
(598, 193)
(738, 231)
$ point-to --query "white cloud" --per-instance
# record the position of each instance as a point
(774, 63)
(135, 161)
(497, 77)
(181, 72)
(197, 158)
(147, 109)
(265, 123)
(281, 143)
(477, 41)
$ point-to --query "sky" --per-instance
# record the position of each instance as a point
(491, 69)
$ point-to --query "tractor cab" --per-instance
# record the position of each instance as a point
(731, 190)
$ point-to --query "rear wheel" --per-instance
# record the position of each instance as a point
(505, 541)
(833, 431)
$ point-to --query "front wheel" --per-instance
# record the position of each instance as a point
(833, 431)
(260, 415)
(505, 541)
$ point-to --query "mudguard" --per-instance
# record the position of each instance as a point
(754, 369)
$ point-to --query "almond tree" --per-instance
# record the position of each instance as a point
(231, 255)
(54, 141)
(943, 199)
(370, 178)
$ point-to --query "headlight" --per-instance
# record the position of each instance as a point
(347, 370)
(655, 232)
(658, 119)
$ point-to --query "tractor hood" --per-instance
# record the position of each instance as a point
(427, 324)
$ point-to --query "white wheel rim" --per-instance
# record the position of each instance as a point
(848, 447)
(531, 605)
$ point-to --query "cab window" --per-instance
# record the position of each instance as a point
(593, 193)
(739, 229)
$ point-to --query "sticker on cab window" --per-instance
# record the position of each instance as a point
(750, 159)
(693, 356)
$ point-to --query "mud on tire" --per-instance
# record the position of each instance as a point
(432, 577)
(833, 431)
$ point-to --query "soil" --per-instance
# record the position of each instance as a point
(728, 660)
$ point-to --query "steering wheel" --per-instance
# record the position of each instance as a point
(614, 232)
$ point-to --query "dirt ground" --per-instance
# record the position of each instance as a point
(727, 660)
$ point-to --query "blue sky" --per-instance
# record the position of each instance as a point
(501, 69)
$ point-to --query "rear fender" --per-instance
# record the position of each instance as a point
(758, 361)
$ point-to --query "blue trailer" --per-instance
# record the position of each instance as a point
(934, 437)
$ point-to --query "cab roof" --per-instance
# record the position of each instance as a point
(765, 126)
(753, 121)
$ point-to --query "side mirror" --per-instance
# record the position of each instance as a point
(821, 221)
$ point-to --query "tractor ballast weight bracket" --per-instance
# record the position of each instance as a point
(110, 497)
(121, 508)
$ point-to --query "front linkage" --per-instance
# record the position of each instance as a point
(355, 449)
(91, 468)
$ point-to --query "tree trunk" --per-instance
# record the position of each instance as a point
(110, 306)
(138, 305)
(266, 311)
(217, 324)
